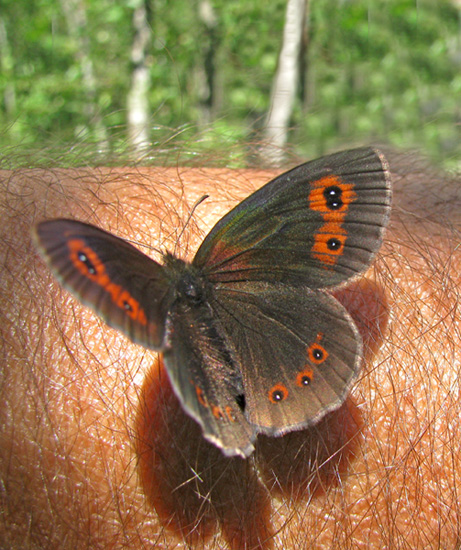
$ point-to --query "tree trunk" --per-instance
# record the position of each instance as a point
(138, 102)
(285, 83)
(207, 74)
(6, 68)
(75, 14)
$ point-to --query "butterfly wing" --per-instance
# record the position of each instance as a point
(316, 225)
(299, 352)
(128, 289)
(207, 379)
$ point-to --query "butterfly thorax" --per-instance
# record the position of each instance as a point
(187, 281)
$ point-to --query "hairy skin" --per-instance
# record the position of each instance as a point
(95, 452)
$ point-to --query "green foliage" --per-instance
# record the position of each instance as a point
(385, 70)
(377, 71)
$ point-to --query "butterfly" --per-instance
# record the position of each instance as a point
(252, 340)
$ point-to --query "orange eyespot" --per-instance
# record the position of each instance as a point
(278, 393)
(316, 352)
(230, 414)
(217, 412)
(304, 378)
(200, 395)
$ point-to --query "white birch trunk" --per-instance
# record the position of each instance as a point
(138, 103)
(285, 84)
(75, 14)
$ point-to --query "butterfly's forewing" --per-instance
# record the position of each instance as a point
(207, 379)
(128, 289)
(316, 225)
(299, 352)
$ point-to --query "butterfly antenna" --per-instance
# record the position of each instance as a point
(189, 217)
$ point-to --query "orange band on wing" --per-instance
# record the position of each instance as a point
(331, 198)
(89, 264)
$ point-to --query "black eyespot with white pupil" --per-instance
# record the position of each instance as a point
(84, 259)
(278, 393)
(318, 354)
(334, 244)
(333, 197)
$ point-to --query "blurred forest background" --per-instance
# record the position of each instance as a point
(209, 79)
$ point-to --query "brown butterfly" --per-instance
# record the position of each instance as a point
(251, 338)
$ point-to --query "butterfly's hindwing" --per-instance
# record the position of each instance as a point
(299, 352)
(206, 378)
